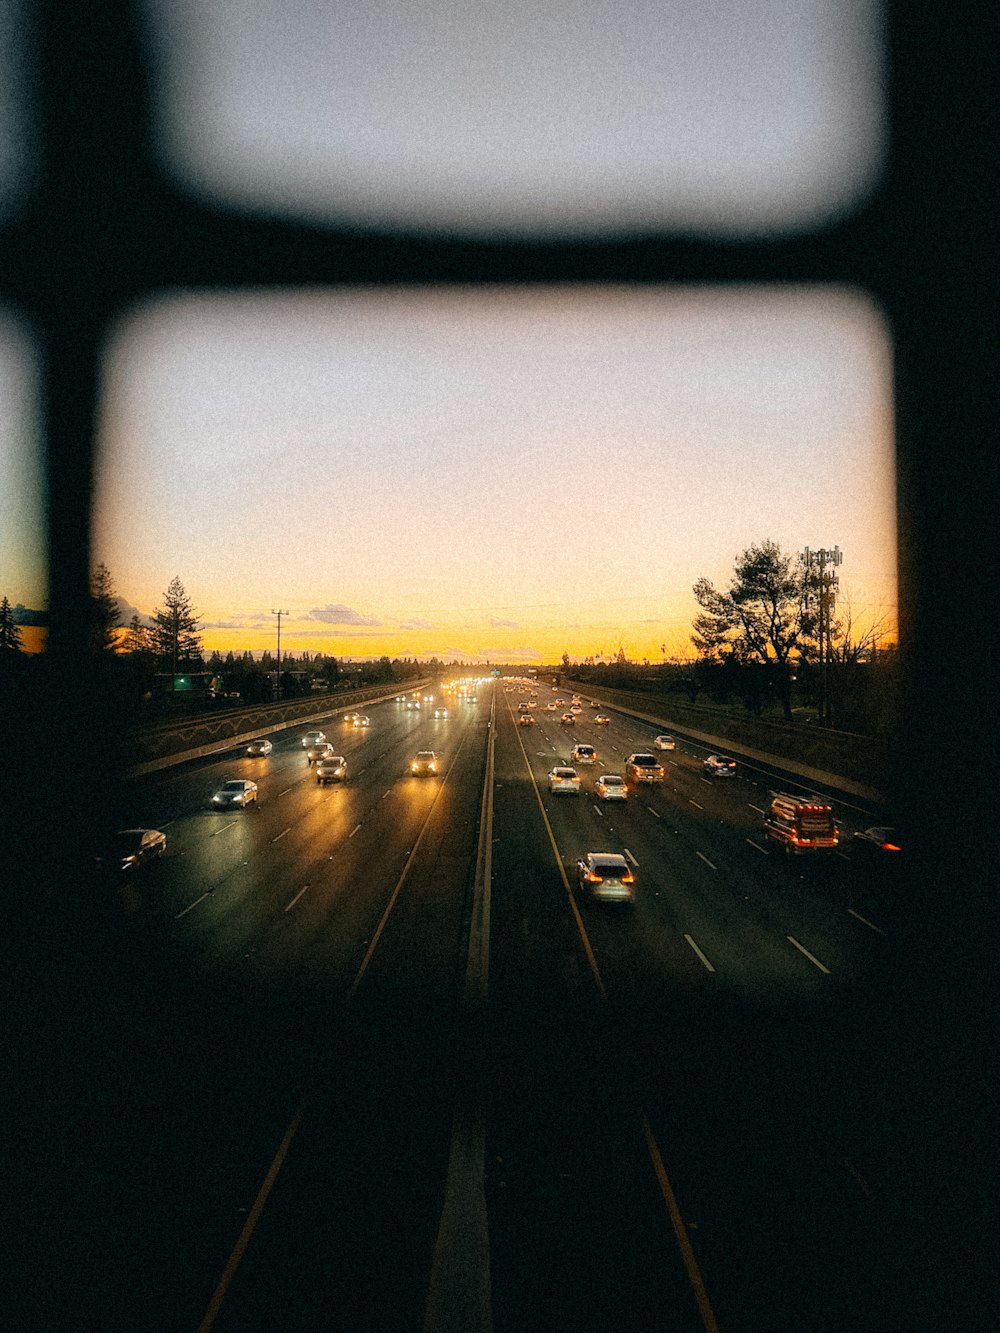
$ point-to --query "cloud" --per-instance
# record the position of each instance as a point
(505, 654)
(221, 624)
(339, 633)
(339, 614)
(126, 611)
(416, 623)
(498, 622)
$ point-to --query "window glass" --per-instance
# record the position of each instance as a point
(519, 118)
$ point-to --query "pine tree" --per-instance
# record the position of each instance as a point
(104, 610)
(10, 631)
(174, 635)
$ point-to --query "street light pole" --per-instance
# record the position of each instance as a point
(277, 693)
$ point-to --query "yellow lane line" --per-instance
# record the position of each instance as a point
(219, 1295)
(666, 1190)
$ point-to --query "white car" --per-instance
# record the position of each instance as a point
(259, 747)
(331, 768)
(424, 763)
(317, 752)
(440, 712)
(584, 754)
(234, 795)
(665, 743)
(360, 720)
(611, 787)
(565, 780)
(312, 738)
(607, 877)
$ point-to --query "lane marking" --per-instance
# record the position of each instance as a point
(699, 953)
(707, 861)
(385, 794)
(653, 812)
(680, 1231)
(755, 807)
(707, 781)
(232, 824)
(757, 845)
(285, 792)
(630, 858)
(296, 898)
(219, 1295)
(282, 834)
(870, 924)
(802, 949)
(695, 804)
(354, 830)
(599, 811)
(192, 906)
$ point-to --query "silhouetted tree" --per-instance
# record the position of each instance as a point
(104, 611)
(174, 635)
(10, 632)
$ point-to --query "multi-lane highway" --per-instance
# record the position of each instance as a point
(674, 1109)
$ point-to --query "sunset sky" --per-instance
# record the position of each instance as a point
(502, 474)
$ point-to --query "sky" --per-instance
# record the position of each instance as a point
(503, 474)
(514, 472)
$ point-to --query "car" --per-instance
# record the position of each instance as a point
(665, 743)
(567, 720)
(317, 752)
(879, 844)
(643, 768)
(238, 793)
(525, 720)
(312, 738)
(576, 708)
(594, 703)
(720, 766)
(550, 708)
(576, 701)
(424, 763)
(259, 747)
(360, 720)
(584, 754)
(130, 848)
(606, 877)
(440, 712)
(565, 780)
(611, 787)
(532, 704)
(522, 708)
(560, 703)
(602, 720)
(331, 768)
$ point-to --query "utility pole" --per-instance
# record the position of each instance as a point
(277, 692)
(826, 583)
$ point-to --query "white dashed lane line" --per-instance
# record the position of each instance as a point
(757, 845)
(191, 906)
(296, 898)
(695, 804)
(864, 921)
(694, 946)
(282, 833)
(755, 807)
(354, 830)
(707, 861)
(803, 950)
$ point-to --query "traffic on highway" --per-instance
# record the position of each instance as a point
(518, 1024)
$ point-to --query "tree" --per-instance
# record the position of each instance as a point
(763, 616)
(104, 611)
(174, 635)
(137, 637)
(10, 632)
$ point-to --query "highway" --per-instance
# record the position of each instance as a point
(680, 1106)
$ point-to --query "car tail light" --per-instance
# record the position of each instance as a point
(628, 878)
(890, 847)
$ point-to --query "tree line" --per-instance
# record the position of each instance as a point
(148, 659)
